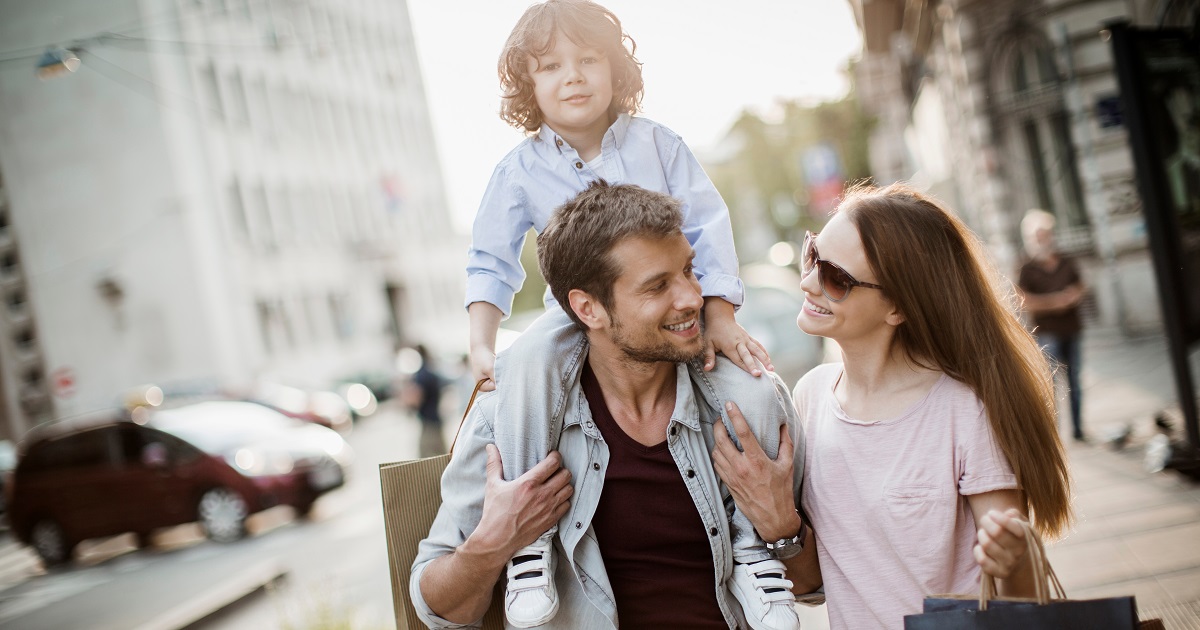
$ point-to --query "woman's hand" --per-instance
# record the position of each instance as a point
(762, 487)
(1001, 547)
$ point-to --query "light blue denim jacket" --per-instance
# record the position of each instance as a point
(586, 597)
(544, 172)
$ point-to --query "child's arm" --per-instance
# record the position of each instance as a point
(723, 334)
(706, 225)
(494, 272)
(485, 320)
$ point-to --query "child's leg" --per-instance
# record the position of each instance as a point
(533, 377)
(759, 403)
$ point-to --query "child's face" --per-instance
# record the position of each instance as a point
(573, 87)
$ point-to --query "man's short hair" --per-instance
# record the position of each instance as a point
(575, 249)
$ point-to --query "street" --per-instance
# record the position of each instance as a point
(333, 567)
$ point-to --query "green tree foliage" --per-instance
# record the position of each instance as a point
(762, 161)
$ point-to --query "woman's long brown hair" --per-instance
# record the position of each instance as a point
(960, 318)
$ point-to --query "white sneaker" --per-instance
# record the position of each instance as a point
(530, 598)
(765, 595)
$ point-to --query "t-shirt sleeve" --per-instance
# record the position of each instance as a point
(982, 465)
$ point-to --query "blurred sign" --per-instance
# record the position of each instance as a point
(823, 174)
(394, 193)
(63, 382)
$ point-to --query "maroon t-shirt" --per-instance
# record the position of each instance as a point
(655, 547)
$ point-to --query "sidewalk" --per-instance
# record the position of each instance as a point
(1136, 533)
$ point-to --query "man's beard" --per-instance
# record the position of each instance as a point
(660, 351)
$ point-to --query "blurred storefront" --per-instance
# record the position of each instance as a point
(219, 190)
(999, 106)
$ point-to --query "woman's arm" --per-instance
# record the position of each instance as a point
(763, 490)
(1000, 548)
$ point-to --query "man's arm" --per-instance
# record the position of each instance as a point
(482, 521)
(458, 586)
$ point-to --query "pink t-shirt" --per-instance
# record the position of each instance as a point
(887, 499)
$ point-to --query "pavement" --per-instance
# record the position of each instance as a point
(1136, 532)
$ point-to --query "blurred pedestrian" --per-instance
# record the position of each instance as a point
(1053, 288)
(430, 385)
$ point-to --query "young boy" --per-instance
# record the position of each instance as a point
(570, 82)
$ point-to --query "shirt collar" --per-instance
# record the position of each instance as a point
(616, 134)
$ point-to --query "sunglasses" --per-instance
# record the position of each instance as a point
(835, 282)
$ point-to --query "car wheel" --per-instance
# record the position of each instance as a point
(50, 542)
(222, 514)
(304, 509)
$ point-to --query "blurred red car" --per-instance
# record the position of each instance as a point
(214, 462)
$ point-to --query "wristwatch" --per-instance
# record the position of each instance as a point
(785, 548)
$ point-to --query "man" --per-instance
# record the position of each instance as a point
(646, 538)
(1052, 288)
(429, 411)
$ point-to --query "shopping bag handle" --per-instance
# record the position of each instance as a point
(1044, 578)
(466, 411)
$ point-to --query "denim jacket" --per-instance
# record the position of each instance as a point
(585, 595)
(544, 172)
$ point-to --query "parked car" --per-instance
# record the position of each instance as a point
(213, 462)
(325, 408)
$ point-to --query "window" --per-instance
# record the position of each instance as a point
(239, 107)
(81, 450)
(342, 323)
(1035, 125)
(237, 210)
(211, 92)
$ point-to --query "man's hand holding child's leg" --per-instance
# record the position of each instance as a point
(516, 513)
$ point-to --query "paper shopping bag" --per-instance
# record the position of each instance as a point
(412, 494)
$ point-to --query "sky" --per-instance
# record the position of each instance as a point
(704, 62)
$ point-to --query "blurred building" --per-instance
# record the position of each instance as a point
(998, 106)
(222, 190)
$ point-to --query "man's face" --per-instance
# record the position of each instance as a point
(655, 313)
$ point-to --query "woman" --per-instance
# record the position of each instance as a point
(933, 439)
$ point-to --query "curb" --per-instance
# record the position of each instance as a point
(241, 586)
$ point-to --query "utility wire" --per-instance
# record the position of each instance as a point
(155, 88)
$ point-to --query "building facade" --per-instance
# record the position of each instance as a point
(223, 190)
(999, 106)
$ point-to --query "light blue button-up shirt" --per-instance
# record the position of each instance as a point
(544, 172)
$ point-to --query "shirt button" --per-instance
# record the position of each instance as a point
(712, 532)
(595, 466)
(579, 525)
(691, 473)
(672, 430)
(558, 141)
(579, 165)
